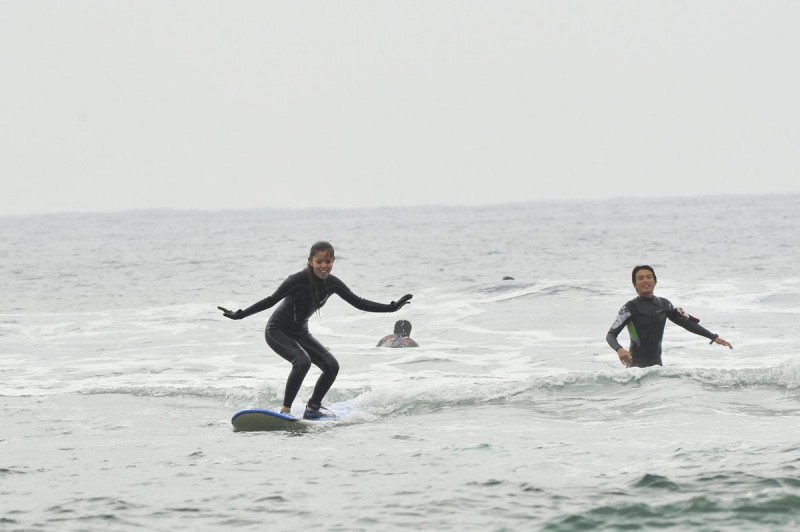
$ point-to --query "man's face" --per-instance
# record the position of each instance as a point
(644, 283)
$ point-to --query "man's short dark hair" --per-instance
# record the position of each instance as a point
(643, 267)
(402, 327)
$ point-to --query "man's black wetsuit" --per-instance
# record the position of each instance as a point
(646, 319)
(287, 329)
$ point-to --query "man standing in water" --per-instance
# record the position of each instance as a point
(645, 317)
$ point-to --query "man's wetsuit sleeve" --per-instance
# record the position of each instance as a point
(270, 301)
(623, 317)
(360, 303)
(678, 319)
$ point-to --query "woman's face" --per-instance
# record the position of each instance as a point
(322, 264)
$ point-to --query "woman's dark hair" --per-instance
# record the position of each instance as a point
(643, 267)
(320, 246)
(312, 282)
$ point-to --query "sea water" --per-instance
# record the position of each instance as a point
(119, 375)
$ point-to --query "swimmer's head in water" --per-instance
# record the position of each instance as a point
(402, 327)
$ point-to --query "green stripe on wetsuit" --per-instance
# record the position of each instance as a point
(632, 332)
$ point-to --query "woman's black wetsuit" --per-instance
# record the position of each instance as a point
(287, 329)
(645, 319)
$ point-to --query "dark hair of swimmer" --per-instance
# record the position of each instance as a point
(402, 327)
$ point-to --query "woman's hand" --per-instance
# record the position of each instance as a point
(397, 305)
(231, 314)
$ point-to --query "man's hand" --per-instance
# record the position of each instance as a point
(720, 341)
(625, 357)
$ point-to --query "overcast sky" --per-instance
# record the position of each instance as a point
(110, 105)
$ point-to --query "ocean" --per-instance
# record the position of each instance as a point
(120, 376)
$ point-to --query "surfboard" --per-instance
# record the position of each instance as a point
(259, 420)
